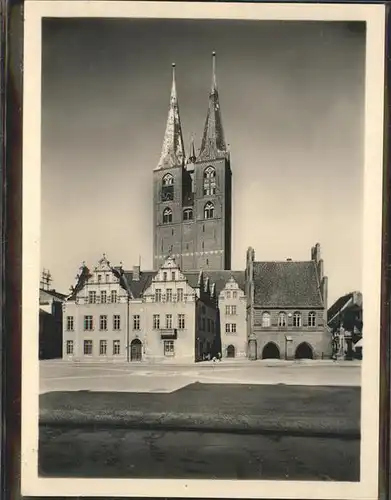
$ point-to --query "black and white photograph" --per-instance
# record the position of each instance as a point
(202, 224)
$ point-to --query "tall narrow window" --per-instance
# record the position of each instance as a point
(296, 319)
(167, 215)
(158, 295)
(168, 321)
(116, 322)
(168, 188)
(103, 296)
(209, 181)
(116, 347)
(69, 347)
(209, 210)
(188, 214)
(265, 319)
(181, 321)
(311, 319)
(136, 322)
(282, 319)
(70, 323)
(87, 347)
(156, 321)
(179, 294)
(169, 295)
(91, 297)
(113, 296)
(173, 276)
(103, 347)
(103, 322)
(88, 324)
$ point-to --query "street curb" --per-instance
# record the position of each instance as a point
(216, 423)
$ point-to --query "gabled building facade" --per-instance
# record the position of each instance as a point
(287, 308)
(114, 314)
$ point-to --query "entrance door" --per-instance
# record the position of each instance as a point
(231, 351)
(135, 350)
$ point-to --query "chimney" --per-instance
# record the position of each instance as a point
(324, 289)
(315, 253)
(136, 273)
(320, 269)
(289, 260)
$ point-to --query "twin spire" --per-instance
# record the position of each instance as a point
(213, 143)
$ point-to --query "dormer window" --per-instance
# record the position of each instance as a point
(168, 187)
(99, 278)
(209, 181)
(188, 214)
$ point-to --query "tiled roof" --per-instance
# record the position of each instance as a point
(286, 284)
(219, 278)
(137, 287)
(355, 298)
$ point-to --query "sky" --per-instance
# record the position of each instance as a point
(292, 102)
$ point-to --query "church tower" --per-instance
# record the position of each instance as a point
(192, 196)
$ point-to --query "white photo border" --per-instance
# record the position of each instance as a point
(367, 487)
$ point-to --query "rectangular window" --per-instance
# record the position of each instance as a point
(116, 322)
(230, 328)
(103, 347)
(113, 296)
(203, 324)
(173, 276)
(181, 321)
(91, 297)
(116, 347)
(88, 323)
(180, 295)
(164, 276)
(107, 278)
(228, 294)
(103, 296)
(158, 295)
(70, 323)
(169, 295)
(88, 347)
(69, 347)
(168, 320)
(136, 322)
(99, 278)
(234, 295)
(169, 348)
(230, 310)
(156, 321)
(103, 322)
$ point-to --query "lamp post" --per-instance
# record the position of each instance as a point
(288, 339)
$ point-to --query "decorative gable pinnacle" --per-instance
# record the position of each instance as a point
(173, 150)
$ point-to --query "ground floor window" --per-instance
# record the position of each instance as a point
(103, 347)
(231, 351)
(69, 347)
(116, 347)
(169, 348)
(88, 347)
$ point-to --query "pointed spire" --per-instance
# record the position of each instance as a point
(213, 143)
(173, 151)
(192, 153)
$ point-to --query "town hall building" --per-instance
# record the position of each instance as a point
(192, 306)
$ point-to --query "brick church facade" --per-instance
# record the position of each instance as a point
(192, 306)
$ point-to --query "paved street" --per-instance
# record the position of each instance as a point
(59, 375)
(120, 453)
(182, 421)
